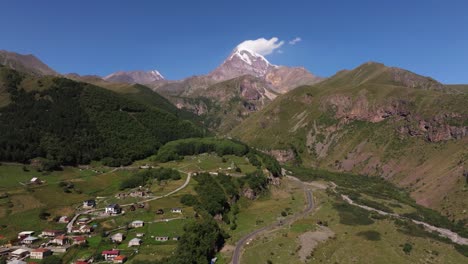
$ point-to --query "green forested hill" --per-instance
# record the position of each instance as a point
(72, 122)
(374, 120)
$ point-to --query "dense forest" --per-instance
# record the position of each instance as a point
(73, 123)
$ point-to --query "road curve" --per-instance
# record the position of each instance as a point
(241, 243)
(72, 221)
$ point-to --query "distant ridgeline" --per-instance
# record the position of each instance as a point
(68, 122)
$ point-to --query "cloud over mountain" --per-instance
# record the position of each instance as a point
(261, 46)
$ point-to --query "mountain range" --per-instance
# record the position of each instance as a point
(373, 120)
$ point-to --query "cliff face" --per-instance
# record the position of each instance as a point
(374, 120)
(440, 127)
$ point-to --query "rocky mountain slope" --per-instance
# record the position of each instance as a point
(374, 120)
(141, 77)
(243, 84)
(25, 63)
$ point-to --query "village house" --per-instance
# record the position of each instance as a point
(40, 253)
(35, 180)
(84, 229)
(138, 194)
(140, 234)
(113, 209)
(160, 211)
(119, 259)
(176, 238)
(25, 234)
(137, 224)
(118, 238)
(51, 233)
(19, 253)
(79, 240)
(88, 204)
(176, 210)
(64, 219)
(5, 251)
(29, 240)
(82, 221)
(110, 254)
(60, 240)
(161, 238)
(134, 242)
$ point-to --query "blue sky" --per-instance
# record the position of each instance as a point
(184, 38)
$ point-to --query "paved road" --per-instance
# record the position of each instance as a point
(244, 240)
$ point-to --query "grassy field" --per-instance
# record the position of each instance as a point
(356, 240)
(289, 197)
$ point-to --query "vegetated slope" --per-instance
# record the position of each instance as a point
(374, 120)
(70, 122)
(139, 93)
(25, 63)
(463, 88)
(224, 105)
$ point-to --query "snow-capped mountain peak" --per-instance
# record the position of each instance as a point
(248, 56)
(157, 75)
(142, 77)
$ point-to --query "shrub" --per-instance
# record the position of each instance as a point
(407, 247)
(352, 215)
(370, 235)
(188, 199)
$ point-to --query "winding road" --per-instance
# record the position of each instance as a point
(247, 238)
(72, 222)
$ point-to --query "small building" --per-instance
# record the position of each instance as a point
(113, 209)
(110, 254)
(138, 194)
(40, 253)
(137, 224)
(118, 238)
(176, 210)
(35, 180)
(140, 234)
(20, 253)
(120, 259)
(134, 242)
(5, 252)
(60, 240)
(29, 240)
(82, 221)
(88, 204)
(84, 229)
(64, 220)
(176, 238)
(25, 234)
(160, 211)
(161, 238)
(51, 233)
(79, 240)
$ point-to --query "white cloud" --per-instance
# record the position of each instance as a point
(295, 40)
(280, 51)
(261, 46)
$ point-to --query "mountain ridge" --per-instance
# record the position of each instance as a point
(373, 120)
